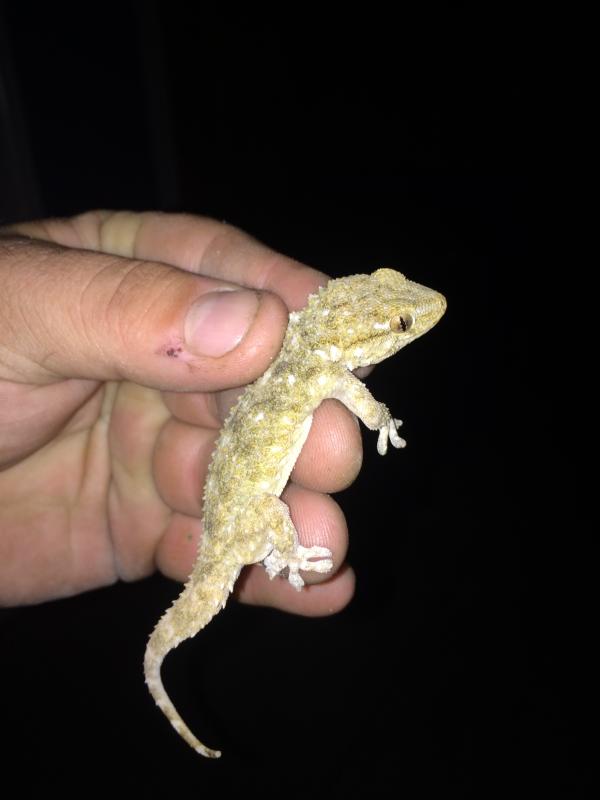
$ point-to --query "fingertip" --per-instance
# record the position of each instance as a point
(319, 521)
(224, 339)
(218, 322)
(313, 600)
(332, 455)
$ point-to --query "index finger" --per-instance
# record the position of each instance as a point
(195, 244)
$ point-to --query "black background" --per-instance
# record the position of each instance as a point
(374, 141)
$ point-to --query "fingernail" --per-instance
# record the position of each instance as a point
(218, 322)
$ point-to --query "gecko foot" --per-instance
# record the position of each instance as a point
(390, 431)
(277, 561)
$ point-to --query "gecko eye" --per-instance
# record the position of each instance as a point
(401, 323)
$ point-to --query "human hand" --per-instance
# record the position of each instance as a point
(120, 355)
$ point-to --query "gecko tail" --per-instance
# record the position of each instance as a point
(202, 597)
(152, 663)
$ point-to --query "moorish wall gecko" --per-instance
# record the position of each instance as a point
(352, 322)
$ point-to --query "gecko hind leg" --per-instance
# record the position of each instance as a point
(286, 551)
(300, 558)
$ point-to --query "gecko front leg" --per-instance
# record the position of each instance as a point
(352, 392)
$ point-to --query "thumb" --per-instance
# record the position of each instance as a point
(68, 313)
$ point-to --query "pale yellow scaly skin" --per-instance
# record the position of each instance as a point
(352, 322)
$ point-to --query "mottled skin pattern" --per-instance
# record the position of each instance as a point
(352, 322)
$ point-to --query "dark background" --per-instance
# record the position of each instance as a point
(404, 142)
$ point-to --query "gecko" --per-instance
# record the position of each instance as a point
(354, 321)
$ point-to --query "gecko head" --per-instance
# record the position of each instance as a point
(371, 317)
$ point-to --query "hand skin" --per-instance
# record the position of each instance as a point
(111, 399)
